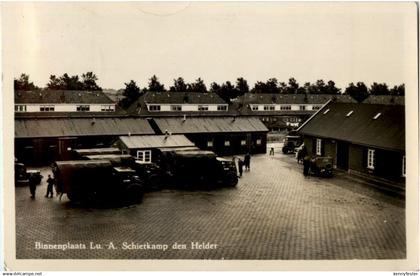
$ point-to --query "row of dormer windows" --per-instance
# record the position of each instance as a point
(52, 108)
(283, 107)
(178, 107)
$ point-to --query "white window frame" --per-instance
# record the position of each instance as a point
(203, 107)
(258, 142)
(20, 108)
(222, 108)
(176, 107)
(227, 143)
(302, 107)
(318, 146)
(285, 107)
(316, 107)
(154, 107)
(144, 156)
(371, 159)
(403, 166)
(209, 144)
(107, 108)
(243, 142)
(254, 108)
(83, 108)
(46, 108)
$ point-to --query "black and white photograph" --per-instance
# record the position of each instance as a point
(212, 132)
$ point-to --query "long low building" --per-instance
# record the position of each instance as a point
(223, 135)
(364, 139)
(43, 140)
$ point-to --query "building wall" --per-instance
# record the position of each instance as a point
(186, 107)
(66, 107)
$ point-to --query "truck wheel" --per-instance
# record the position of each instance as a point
(231, 180)
(133, 193)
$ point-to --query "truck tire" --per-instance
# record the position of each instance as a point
(133, 193)
(284, 150)
(231, 180)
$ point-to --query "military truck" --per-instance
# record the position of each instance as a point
(197, 169)
(321, 166)
(97, 181)
(290, 143)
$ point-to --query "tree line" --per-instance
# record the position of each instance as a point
(226, 90)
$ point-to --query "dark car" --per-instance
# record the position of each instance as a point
(22, 175)
(321, 166)
(290, 143)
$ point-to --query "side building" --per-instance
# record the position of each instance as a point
(366, 139)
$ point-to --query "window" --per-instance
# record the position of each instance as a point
(154, 107)
(227, 143)
(222, 107)
(243, 142)
(349, 114)
(403, 166)
(144, 156)
(20, 108)
(203, 107)
(302, 107)
(318, 146)
(285, 107)
(377, 116)
(46, 108)
(254, 107)
(83, 108)
(371, 159)
(316, 107)
(258, 141)
(176, 107)
(268, 107)
(107, 108)
(209, 144)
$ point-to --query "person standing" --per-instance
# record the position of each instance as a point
(272, 151)
(50, 182)
(32, 186)
(240, 166)
(247, 161)
(306, 165)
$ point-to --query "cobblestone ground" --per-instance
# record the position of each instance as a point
(273, 213)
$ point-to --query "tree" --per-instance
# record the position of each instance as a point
(214, 87)
(379, 89)
(131, 93)
(331, 88)
(179, 85)
(397, 90)
(358, 92)
(227, 91)
(89, 82)
(242, 86)
(271, 86)
(292, 87)
(155, 85)
(259, 87)
(197, 86)
(55, 83)
(23, 83)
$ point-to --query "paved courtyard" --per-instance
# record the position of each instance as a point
(273, 213)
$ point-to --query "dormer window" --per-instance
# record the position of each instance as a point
(176, 107)
(254, 107)
(377, 116)
(46, 108)
(154, 107)
(222, 107)
(20, 108)
(316, 107)
(349, 114)
(203, 108)
(107, 108)
(83, 108)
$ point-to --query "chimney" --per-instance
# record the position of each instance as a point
(166, 134)
(184, 118)
(129, 134)
(233, 119)
(93, 121)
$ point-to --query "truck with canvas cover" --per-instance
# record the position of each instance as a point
(97, 181)
(80, 153)
(198, 169)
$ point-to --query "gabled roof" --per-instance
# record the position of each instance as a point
(64, 127)
(61, 97)
(385, 99)
(155, 141)
(210, 124)
(182, 98)
(262, 98)
(356, 123)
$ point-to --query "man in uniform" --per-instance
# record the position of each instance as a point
(50, 182)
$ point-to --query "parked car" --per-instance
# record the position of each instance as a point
(23, 175)
(321, 166)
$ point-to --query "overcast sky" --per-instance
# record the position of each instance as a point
(217, 41)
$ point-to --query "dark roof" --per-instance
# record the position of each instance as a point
(182, 98)
(61, 96)
(61, 127)
(385, 99)
(155, 141)
(262, 98)
(386, 132)
(210, 124)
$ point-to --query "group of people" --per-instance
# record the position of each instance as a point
(50, 185)
(243, 163)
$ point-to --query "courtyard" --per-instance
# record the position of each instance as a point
(273, 213)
